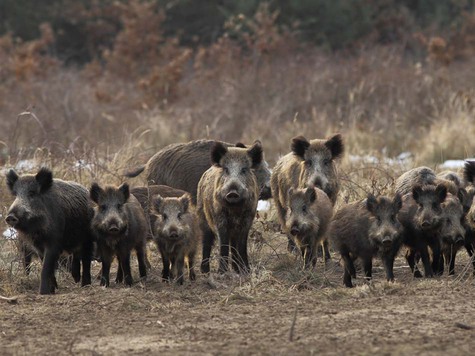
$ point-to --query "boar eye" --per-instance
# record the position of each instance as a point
(244, 170)
(179, 215)
(103, 207)
(308, 163)
(119, 206)
(165, 216)
(304, 208)
(436, 206)
(448, 222)
(326, 162)
(226, 170)
(31, 193)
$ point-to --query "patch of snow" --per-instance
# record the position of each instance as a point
(10, 234)
(263, 205)
(455, 163)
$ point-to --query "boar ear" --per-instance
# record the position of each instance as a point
(185, 201)
(95, 192)
(335, 145)
(416, 192)
(124, 189)
(469, 171)
(44, 177)
(256, 153)
(240, 145)
(217, 152)
(299, 146)
(12, 177)
(311, 195)
(397, 202)
(157, 202)
(441, 192)
(371, 203)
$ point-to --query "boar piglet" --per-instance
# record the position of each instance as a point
(308, 216)
(227, 203)
(452, 231)
(309, 164)
(176, 235)
(422, 217)
(364, 230)
(52, 216)
(119, 225)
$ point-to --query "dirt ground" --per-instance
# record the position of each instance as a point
(278, 310)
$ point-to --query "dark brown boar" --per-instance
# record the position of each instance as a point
(469, 208)
(52, 216)
(452, 231)
(227, 203)
(308, 216)
(422, 176)
(422, 217)
(310, 164)
(181, 166)
(177, 235)
(364, 230)
(120, 226)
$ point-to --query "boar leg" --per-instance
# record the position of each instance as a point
(86, 258)
(141, 258)
(349, 270)
(48, 280)
(449, 257)
(368, 268)
(388, 262)
(223, 252)
(125, 264)
(191, 264)
(208, 242)
(76, 268)
(470, 250)
(437, 269)
(166, 264)
(426, 262)
(180, 263)
(106, 267)
(240, 259)
(411, 261)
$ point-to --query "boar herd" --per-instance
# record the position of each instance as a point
(202, 191)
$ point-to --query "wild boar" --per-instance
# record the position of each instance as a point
(52, 216)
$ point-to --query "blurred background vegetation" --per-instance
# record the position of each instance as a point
(93, 77)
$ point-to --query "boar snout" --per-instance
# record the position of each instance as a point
(294, 230)
(11, 220)
(233, 197)
(387, 241)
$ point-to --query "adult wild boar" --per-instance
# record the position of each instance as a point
(365, 229)
(52, 216)
(308, 217)
(177, 235)
(181, 166)
(310, 164)
(422, 216)
(469, 209)
(120, 225)
(227, 202)
(452, 231)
